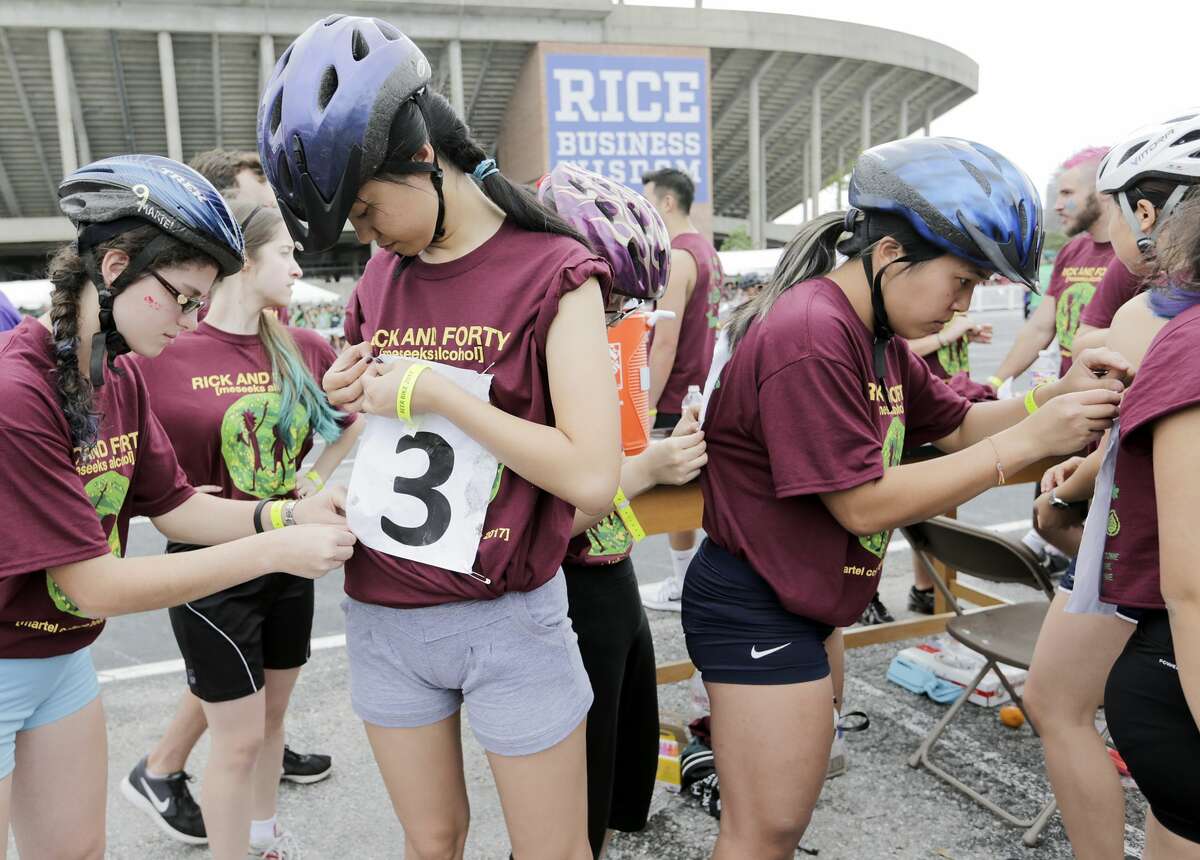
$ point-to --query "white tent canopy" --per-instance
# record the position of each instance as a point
(738, 263)
(28, 295)
(304, 293)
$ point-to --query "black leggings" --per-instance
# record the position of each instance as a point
(622, 726)
(1153, 728)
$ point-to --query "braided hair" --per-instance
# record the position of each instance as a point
(68, 273)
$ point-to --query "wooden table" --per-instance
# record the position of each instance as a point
(675, 509)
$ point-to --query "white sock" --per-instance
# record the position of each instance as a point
(680, 559)
(262, 832)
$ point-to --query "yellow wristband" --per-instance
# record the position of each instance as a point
(277, 515)
(995, 381)
(405, 392)
(625, 512)
(1031, 405)
(315, 476)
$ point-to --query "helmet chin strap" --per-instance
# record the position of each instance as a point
(1146, 243)
(109, 341)
(883, 327)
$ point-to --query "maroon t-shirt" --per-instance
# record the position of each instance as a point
(798, 412)
(952, 363)
(1078, 268)
(61, 505)
(489, 310)
(1118, 286)
(214, 393)
(1168, 381)
(698, 328)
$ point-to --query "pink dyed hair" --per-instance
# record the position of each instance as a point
(1091, 153)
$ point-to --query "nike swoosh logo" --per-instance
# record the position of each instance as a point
(755, 654)
(161, 805)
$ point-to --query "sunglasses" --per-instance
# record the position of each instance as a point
(186, 305)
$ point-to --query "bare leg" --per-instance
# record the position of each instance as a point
(1071, 662)
(279, 684)
(59, 788)
(544, 797)
(171, 752)
(682, 540)
(835, 647)
(769, 790)
(1162, 844)
(228, 788)
(423, 771)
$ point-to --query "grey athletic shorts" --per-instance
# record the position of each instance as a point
(514, 661)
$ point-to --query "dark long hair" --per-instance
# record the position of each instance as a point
(69, 275)
(812, 253)
(429, 118)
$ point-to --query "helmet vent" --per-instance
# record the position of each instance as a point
(284, 172)
(1022, 219)
(329, 85)
(1190, 137)
(277, 112)
(389, 32)
(287, 55)
(333, 19)
(358, 45)
(1129, 152)
(978, 176)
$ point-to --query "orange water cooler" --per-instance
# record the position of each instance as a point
(627, 346)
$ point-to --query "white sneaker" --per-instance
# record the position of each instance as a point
(664, 595)
(283, 847)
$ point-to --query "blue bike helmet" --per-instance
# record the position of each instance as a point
(326, 117)
(961, 197)
(115, 195)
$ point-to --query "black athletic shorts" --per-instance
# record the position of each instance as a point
(738, 632)
(1153, 728)
(622, 725)
(227, 639)
(667, 420)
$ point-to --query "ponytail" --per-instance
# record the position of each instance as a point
(1177, 260)
(72, 384)
(295, 383)
(428, 118)
(289, 371)
(811, 253)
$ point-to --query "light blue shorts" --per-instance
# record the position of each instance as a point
(513, 661)
(38, 691)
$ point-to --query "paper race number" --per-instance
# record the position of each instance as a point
(420, 491)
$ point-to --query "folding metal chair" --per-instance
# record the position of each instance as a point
(1001, 634)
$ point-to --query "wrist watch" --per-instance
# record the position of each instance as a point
(1056, 502)
(289, 513)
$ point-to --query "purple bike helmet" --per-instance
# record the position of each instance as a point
(620, 225)
(326, 117)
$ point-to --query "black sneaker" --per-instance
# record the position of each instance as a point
(876, 613)
(920, 600)
(305, 768)
(168, 801)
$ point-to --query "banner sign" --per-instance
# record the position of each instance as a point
(621, 116)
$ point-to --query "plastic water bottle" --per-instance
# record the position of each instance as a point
(1046, 368)
(692, 400)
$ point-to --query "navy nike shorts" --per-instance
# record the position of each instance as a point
(738, 632)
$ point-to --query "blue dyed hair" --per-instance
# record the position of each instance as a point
(1171, 300)
(289, 372)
